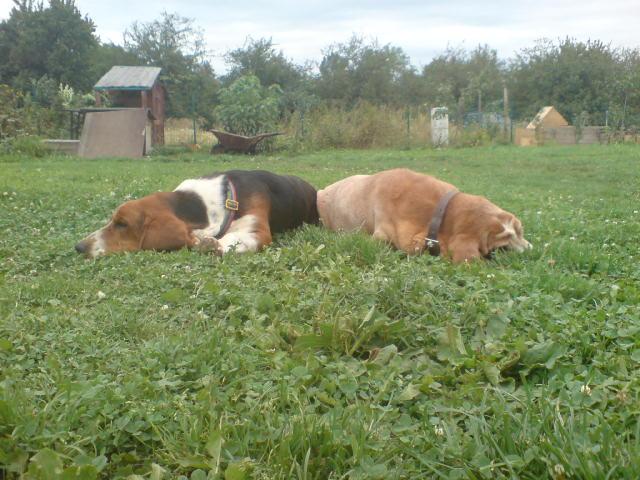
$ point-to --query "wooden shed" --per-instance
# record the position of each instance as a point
(136, 87)
(547, 117)
(549, 126)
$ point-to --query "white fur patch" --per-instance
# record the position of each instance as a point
(211, 191)
(97, 247)
(241, 236)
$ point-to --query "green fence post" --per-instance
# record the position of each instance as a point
(193, 113)
(408, 114)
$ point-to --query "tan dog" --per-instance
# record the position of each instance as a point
(398, 206)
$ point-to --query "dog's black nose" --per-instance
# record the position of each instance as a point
(81, 247)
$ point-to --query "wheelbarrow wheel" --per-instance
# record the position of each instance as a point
(217, 148)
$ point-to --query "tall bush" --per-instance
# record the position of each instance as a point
(10, 121)
(248, 108)
(39, 111)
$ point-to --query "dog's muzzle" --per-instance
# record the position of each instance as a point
(92, 246)
(82, 247)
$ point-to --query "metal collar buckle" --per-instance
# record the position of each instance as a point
(230, 204)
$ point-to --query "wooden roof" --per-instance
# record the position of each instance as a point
(128, 78)
(548, 117)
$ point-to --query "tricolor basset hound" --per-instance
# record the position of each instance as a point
(232, 211)
(416, 212)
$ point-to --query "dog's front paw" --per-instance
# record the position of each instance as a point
(209, 245)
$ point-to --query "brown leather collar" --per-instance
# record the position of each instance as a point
(431, 242)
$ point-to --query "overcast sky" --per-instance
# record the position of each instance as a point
(423, 28)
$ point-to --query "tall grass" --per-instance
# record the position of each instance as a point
(363, 126)
(179, 131)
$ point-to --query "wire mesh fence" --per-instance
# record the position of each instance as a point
(179, 131)
(367, 126)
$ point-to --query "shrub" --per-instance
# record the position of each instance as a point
(248, 108)
(473, 136)
(24, 145)
(45, 92)
(10, 123)
(40, 111)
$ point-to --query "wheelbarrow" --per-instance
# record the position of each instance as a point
(231, 142)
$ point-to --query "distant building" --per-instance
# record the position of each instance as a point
(136, 87)
(550, 127)
(547, 117)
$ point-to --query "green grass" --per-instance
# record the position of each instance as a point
(326, 356)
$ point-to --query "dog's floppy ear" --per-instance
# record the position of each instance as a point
(165, 232)
(497, 234)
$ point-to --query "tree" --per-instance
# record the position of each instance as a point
(378, 72)
(261, 59)
(57, 41)
(176, 45)
(412, 88)
(625, 104)
(109, 54)
(459, 78)
(248, 108)
(358, 71)
(198, 95)
(171, 42)
(578, 78)
(487, 75)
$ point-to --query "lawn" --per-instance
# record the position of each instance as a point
(327, 355)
